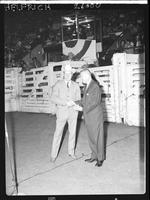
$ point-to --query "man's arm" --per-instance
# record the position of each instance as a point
(94, 100)
(77, 105)
(78, 95)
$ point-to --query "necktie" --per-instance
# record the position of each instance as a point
(85, 87)
(67, 84)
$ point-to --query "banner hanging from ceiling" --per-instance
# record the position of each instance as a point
(80, 49)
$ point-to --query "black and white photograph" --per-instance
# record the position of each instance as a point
(75, 99)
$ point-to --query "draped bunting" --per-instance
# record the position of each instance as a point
(83, 51)
(71, 44)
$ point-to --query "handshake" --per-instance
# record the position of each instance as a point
(76, 107)
(70, 103)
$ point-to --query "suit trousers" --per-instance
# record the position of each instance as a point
(95, 131)
(60, 123)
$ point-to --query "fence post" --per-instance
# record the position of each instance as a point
(119, 63)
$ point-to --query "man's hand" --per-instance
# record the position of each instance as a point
(70, 103)
(77, 107)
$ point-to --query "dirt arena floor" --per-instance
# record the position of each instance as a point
(31, 134)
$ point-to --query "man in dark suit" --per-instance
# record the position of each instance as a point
(93, 116)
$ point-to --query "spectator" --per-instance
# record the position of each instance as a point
(36, 63)
(24, 66)
(13, 63)
(129, 47)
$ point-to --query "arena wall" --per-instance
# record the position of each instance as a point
(123, 86)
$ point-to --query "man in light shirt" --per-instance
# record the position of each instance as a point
(66, 93)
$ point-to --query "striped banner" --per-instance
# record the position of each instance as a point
(81, 49)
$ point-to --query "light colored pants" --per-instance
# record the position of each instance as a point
(60, 123)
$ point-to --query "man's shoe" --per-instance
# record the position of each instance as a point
(90, 160)
(53, 159)
(99, 163)
(73, 156)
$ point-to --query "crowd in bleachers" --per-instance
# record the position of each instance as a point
(22, 34)
(131, 24)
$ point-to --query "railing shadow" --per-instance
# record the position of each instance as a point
(9, 117)
(142, 123)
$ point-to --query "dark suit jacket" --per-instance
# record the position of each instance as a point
(92, 98)
(93, 117)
